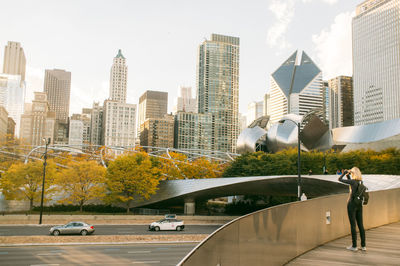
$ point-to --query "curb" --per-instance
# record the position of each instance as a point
(98, 243)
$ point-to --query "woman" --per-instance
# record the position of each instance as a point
(354, 210)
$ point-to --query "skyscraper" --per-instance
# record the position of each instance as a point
(57, 86)
(96, 124)
(119, 117)
(341, 108)
(376, 63)
(152, 104)
(157, 132)
(185, 102)
(12, 96)
(218, 89)
(118, 79)
(14, 60)
(295, 88)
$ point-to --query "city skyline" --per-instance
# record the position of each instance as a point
(161, 51)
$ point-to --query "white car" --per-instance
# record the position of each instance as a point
(167, 224)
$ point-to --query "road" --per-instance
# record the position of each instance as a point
(133, 254)
(34, 230)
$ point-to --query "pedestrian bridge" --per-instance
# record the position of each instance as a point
(277, 235)
(186, 192)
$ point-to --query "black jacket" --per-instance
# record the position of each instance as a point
(353, 183)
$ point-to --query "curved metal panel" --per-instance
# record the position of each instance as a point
(248, 139)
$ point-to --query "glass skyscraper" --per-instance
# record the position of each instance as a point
(218, 89)
(376, 61)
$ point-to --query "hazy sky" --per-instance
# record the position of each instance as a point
(160, 39)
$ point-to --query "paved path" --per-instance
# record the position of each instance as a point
(134, 254)
(27, 230)
(383, 248)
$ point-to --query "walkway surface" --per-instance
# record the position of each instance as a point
(383, 248)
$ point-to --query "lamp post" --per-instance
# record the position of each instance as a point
(298, 157)
(47, 142)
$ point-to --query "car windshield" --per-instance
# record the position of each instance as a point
(161, 221)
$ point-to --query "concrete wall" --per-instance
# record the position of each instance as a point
(276, 235)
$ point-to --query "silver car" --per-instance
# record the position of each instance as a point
(72, 228)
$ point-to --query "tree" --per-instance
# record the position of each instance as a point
(132, 177)
(174, 167)
(203, 168)
(81, 182)
(24, 181)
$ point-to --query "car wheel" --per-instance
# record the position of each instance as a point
(84, 232)
(56, 233)
(178, 228)
(156, 228)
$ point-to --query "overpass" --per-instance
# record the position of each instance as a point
(188, 191)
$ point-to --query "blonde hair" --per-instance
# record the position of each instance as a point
(355, 173)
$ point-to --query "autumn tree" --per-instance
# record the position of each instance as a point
(81, 182)
(173, 166)
(24, 181)
(132, 177)
(203, 168)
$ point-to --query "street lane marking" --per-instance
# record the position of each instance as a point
(45, 264)
(139, 252)
(146, 261)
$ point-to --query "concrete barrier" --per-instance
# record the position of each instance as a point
(276, 235)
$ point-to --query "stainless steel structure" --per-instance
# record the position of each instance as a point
(276, 235)
(315, 135)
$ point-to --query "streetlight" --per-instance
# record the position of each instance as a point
(298, 156)
(47, 142)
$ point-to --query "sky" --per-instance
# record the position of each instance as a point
(160, 38)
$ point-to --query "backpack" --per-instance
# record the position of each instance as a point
(361, 196)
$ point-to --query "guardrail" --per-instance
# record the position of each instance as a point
(276, 235)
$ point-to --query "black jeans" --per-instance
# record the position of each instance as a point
(355, 215)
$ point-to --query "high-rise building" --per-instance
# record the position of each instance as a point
(254, 111)
(326, 99)
(96, 124)
(118, 79)
(119, 117)
(193, 131)
(218, 89)
(185, 102)
(85, 117)
(38, 122)
(376, 63)
(57, 86)
(341, 107)
(14, 60)
(157, 132)
(152, 104)
(12, 96)
(295, 88)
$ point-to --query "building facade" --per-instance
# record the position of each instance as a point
(3, 123)
(96, 124)
(14, 60)
(218, 89)
(38, 122)
(75, 135)
(376, 61)
(193, 131)
(341, 105)
(157, 132)
(152, 104)
(295, 88)
(12, 96)
(57, 86)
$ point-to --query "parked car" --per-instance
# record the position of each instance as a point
(168, 223)
(72, 228)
